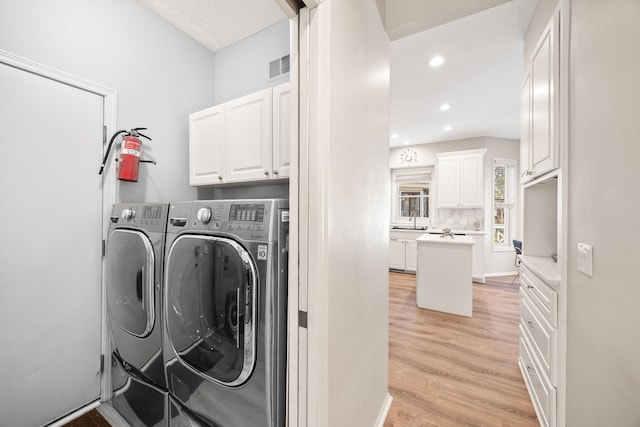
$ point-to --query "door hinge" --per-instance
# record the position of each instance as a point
(302, 319)
(104, 247)
(104, 134)
(102, 363)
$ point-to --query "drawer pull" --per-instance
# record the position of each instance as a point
(530, 324)
(531, 371)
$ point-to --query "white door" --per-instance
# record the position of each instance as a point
(50, 247)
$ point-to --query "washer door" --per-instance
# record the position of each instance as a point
(130, 264)
(211, 293)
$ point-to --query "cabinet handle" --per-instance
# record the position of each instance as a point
(529, 173)
(266, 173)
(531, 371)
(275, 172)
(530, 324)
(220, 178)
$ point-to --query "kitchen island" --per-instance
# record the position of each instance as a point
(443, 277)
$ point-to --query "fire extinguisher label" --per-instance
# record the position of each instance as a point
(131, 152)
(131, 148)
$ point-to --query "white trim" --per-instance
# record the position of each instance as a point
(75, 414)
(504, 273)
(108, 182)
(294, 340)
(384, 411)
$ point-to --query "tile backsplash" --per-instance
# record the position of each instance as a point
(460, 219)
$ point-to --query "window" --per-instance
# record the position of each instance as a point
(411, 195)
(503, 203)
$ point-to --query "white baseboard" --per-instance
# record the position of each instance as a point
(384, 411)
(507, 273)
(75, 414)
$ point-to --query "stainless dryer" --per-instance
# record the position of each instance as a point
(134, 265)
(225, 310)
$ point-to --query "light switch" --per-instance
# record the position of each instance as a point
(585, 259)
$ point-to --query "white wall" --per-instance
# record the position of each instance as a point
(348, 214)
(160, 74)
(495, 262)
(243, 68)
(603, 373)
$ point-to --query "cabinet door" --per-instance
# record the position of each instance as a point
(525, 130)
(396, 253)
(206, 146)
(411, 254)
(544, 75)
(472, 181)
(477, 258)
(248, 137)
(448, 182)
(281, 130)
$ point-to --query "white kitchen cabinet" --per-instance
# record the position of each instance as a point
(249, 137)
(477, 258)
(281, 131)
(396, 252)
(206, 146)
(244, 140)
(461, 179)
(403, 250)
(539, 334)
(540, 104)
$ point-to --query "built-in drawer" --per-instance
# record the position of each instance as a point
(541, 334)
(543, 394)
(542, 295)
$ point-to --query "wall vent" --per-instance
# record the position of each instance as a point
(278, 67)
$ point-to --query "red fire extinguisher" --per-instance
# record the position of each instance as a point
(129, 154)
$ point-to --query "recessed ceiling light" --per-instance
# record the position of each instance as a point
(407, 142)
(394, 136)
(436, 61)
(447, 128)
(445, 107)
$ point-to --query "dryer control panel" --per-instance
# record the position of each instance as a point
(148, 216)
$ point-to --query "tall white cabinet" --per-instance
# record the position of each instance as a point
(542, 356)
(243, 140)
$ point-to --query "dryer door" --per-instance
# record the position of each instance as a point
(211, 291)
(130, 264)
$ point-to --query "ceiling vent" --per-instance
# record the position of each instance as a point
(278, 67)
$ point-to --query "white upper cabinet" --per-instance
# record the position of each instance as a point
(243, 140)
(248, 144)
(206, 146)
(461, 179)
(540, 105)
(281, 130)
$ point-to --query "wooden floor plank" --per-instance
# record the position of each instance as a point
(448, 370)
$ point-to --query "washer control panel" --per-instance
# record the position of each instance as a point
(151, 216)
(248, 219)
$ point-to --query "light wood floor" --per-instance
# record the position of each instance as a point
(448, 370)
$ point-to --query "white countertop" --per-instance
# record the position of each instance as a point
(439, 231)
(436, 239)
(544, 267)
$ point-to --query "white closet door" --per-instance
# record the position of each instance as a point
(50, 247)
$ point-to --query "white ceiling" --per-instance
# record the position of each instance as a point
(480, 78)
(217, 24)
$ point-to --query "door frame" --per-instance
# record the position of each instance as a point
(108, 181)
